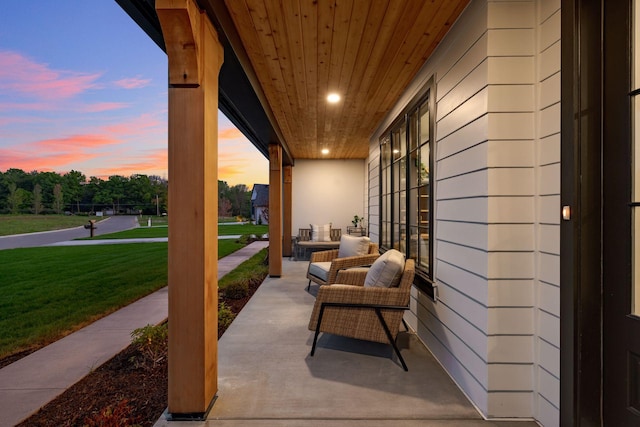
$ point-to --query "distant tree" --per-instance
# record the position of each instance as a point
(116, 190)
(48, 181)
(89, 192)
(223, 190)
(14, 200)
(224, 208)
(240, 198)
(37, 199)
(160, 188)
(58, 198)
(20, 178)
(72, 187)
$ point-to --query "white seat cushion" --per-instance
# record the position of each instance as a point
(353, 246)
(386, 271)
(320, 270)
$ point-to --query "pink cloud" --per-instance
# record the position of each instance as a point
(52, 154)
(75, 142)
(105, 106)
(25, 106)
(27, 161)
(137, 126)
(132, 83)
(20, 74)
(153, 162)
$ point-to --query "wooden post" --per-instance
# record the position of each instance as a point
(195, 57)
(288, 203)
(275, 210)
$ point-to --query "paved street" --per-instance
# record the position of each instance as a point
(109, 225)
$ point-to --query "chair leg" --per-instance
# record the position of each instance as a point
(406, 327)
(309, 285)
(390, 338)
(315, 337)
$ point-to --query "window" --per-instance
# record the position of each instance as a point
(406, 205)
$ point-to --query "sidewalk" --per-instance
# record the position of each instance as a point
(33, 381)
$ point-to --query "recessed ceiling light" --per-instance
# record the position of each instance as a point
(325, 151)
(333, 98)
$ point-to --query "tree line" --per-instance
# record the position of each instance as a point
(53, 193)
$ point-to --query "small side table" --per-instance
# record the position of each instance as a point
(357, 231)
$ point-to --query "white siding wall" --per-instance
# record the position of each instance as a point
(494, 325)
(547, 374)
(328, 191)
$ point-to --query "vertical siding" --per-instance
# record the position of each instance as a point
(494, 324)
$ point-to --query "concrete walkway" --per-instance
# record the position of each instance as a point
(33, 381)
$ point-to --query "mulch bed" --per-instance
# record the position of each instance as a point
(127, 388)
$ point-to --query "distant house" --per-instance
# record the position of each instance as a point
(260, 203)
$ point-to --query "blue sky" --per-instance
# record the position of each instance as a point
(83, 88)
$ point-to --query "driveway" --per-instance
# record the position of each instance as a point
(108, 225)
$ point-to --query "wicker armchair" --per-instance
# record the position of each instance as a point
(325, 265)
(368, 313)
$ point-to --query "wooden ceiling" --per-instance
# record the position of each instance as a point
(367, 51)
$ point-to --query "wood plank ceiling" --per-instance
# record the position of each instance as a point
(367, 51)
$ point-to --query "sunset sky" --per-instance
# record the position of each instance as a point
(83, 88)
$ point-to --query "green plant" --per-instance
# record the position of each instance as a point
(225, 315)
(245, 239)
(256, 266)
(151, 341)
(356, 219)
(118, 416)
(237, 289)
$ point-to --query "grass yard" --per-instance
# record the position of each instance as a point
(19, 224)
(231, 229)
(49, 291)
(223, 230)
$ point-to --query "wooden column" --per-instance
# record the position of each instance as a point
(275, 210)
(195, 57)
(288, 203)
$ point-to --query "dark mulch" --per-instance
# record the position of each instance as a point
(127, 386)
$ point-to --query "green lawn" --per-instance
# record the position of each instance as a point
(223, 230)
(19, 224)
(49, 291)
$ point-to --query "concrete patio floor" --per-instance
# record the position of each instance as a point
(266, 376)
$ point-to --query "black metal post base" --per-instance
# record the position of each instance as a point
(191, 416)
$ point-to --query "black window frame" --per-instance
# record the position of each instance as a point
(397, 186)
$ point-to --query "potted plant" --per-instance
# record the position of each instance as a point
(356, 219)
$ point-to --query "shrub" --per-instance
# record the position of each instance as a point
(225, 315)
(120, 415)
(151, 341)
(237, 289)
(245, 239)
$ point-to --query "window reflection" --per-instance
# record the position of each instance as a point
(406, 197)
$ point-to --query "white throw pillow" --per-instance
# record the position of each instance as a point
(320, 233)
(353, 246)
(386, 271)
